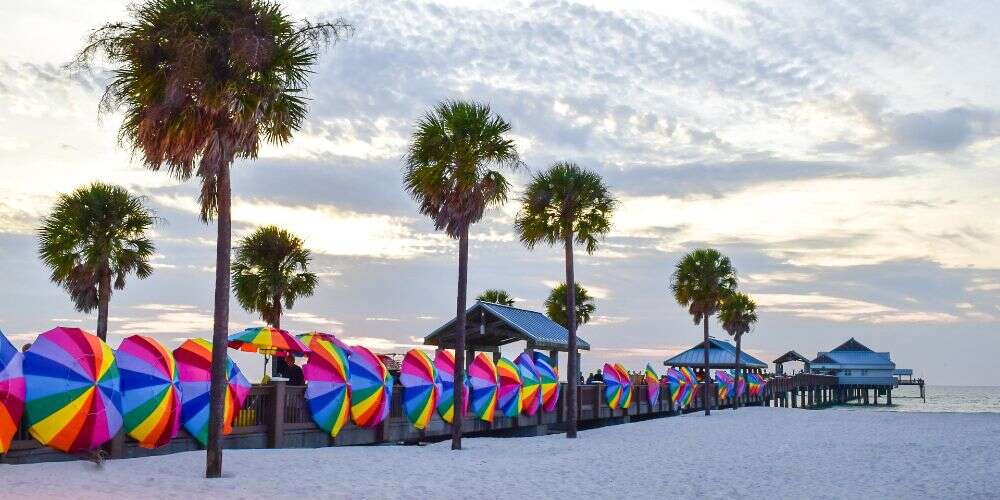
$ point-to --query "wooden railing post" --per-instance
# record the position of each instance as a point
(276, 427)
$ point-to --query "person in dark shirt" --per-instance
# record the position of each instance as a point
(292, 372)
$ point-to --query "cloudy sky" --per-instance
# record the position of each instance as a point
(843, 154)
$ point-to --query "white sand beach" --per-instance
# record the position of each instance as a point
(783, 453)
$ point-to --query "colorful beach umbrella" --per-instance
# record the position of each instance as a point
(741, 383)
(267, 340)
(612, 386)
(327, 372)
(72, 390)
(531, 390)
(444, 368)
(151, 396)
(691, 380)
(508, 388)
(306, 339)
(627, 391)
(194, 370)
(677, 386)
(548, 376)
(417, 375)
(483, 379)
(652, 385)
(725, 384)
(11, 392)
(371, 388)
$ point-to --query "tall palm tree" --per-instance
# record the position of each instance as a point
(93, 239)
(738, 315)
(496, 296)
(450, 172)
(700, 281)
(556, 308)
(561, 205)
(201, 84)
(270, 271)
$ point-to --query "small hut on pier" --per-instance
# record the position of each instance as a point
(721, 356)
(489, 326)
(789, 357)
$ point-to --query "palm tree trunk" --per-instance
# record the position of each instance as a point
(705, 397)
(277, 325)
(736, 400)
(103, 302)
(220, 329)
(571, 368)
(463, 281)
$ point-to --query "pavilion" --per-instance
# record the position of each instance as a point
(788, 357)
(721, 356)
(489, 326)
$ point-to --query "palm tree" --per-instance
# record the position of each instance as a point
(700, 281)
(270, 271)
(93, 235)
(555, 305)
(450, 173)
(563, 204)
(496, 296)
(738, 314)
(201, 85)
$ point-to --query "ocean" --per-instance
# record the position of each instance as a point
(945, 399)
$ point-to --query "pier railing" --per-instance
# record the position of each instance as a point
(277, 416)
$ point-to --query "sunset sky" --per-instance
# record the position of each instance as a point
(845, 155)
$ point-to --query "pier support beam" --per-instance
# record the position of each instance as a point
(888, 396)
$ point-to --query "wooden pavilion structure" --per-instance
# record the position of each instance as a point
(489, 326)
(789, 357)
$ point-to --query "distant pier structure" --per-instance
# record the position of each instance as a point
(904, 376)
(859, 370)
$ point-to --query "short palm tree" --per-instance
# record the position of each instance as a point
(202, 84)
(556, 308)
(450, 172)
(563, 205)
(496, 296)
(93, 239)
(270, 271)
(738, 315)
(700, 281)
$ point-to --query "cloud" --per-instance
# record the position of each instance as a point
(601, 320)
(839, 309)
(381, 318)
(328, 229)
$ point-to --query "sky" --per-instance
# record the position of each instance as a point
(843, 154)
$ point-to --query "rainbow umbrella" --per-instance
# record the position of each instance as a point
(268, 341)
(691, 380)
(677, 385)
(483, 378)
(11, 392)
(725, 382)
(531, 394)
(371, 388)
(444, 367)
(306, 339)
(652, 385)
(151, 396)
(508, 388)
(741, 383)
(612, 386)
(548, 376)
(626, 386)
(194, 369)
(327, 372)
(72, 392)
(417, 375)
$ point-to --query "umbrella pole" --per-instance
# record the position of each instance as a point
(266, 359)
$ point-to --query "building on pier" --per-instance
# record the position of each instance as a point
(721, 356)
(855, 364)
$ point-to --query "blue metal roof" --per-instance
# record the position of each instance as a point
(852, 354)
(508, 324)
(721, 354)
